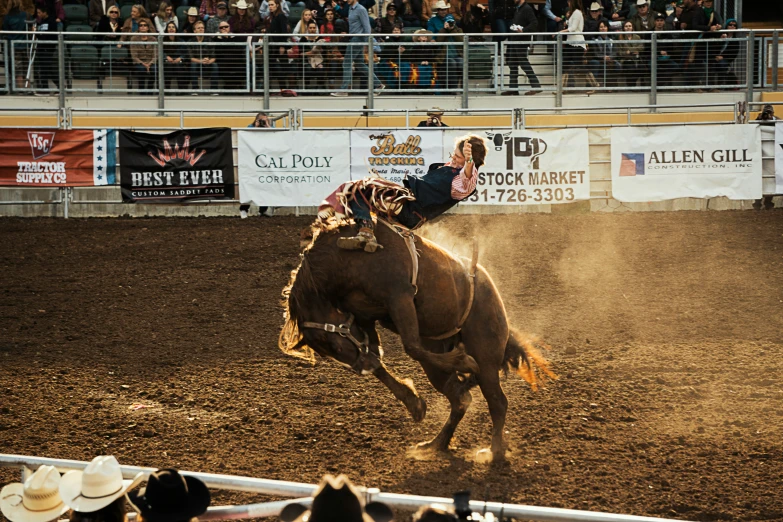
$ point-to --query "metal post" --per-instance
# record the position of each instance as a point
(61, 68)
(370, 73)
(64, 193)
(250, 62)
(522, 118)
(181, 119)
(161, 77)
(774, 59)
(629, 116)
(266, 72)
(738, 12)
(465, 83)
(654, 71)
(749, 66)
(8, 84)
(559, 71)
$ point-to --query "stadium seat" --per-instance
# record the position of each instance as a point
(295, 15)
(75, 13)
(125, 11)
(84, 62)
(411, 29)
(480, 63)
(182, 14)
(84, 30)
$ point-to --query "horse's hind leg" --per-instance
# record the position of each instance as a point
(489, 381)
(458, 394)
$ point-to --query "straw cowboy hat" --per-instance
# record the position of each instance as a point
(595, 6)
(242, 5)
(192, 12)
(97, 486)
(435, 111)
(170, 496)
(37, 500)
(337, 500)
(441, 5)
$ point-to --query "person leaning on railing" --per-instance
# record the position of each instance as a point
(144, 55)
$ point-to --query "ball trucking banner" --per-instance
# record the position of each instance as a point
(660, 163)
(531, 168)
(295, 168)
(182, 165)
(57, 158)
(395, 154)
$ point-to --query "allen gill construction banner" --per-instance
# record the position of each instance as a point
(531, 168)
(659, 163)
(57, 158)
(395, 154)
(182, 165)
(289, 169)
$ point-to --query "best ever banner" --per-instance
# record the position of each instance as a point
(660, 163)
(288, 169)
(778, 158)
(531, 168)
(395, 154)
(57, 158)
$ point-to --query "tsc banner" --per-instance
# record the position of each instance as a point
(395, 154)
(296, 168)
(779, 158)
(660, 163)
(57, 158)
(531, 168)
(182, 165)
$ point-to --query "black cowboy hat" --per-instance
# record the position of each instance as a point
(170, 496)
(337, 500)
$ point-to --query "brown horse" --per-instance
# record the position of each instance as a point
(335, 297)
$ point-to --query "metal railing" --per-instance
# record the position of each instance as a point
(467, 64)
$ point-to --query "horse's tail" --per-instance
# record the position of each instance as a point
(523, 356)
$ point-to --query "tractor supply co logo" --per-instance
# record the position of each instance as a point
(41, 143)
(184, 153)
(632, 164)
(528, 149)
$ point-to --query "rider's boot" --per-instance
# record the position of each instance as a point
(364, 240)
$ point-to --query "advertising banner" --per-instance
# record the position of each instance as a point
(182, 165)
(395, 154)
(660, 163)
(57, 158)
(289, 169)
(779, 158)
(531, 168)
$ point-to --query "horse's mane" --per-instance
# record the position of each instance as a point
(306, 282)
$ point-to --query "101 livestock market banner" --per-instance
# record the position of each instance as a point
(288, 169)
(395, 154)
(57, 158)
(659, 163)
(531, 168)
(182, 165)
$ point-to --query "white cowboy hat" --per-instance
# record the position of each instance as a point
(441, 5)
(242, 5)
(192, 11)
(37, 500)
(641, 2)
(595, 6)
(97, 486)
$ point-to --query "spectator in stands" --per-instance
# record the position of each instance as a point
(253, 10)
(575, 47)
(264, 9)
(501, 17)
(17, 13)
(644, 19)
(278, 59)
(165, 15)
(721, 53)
(713, 18)
(555, 12)
(767, 114)
(231, 58)
(144, 55)
(410, 12)
(693, 17)
(241, 22)
(387, 24)
(607, 8)
(261, 121)
(601, 55)
(327, 26)
(191, 18)
(421, 60)
(629, 53)
(45, 60)
(97, 494)
(301, 26)
(449, 57)
(203, 63)
(54, 7)
(667, 51)
(175, 56)
(358, 23)
(476, 17)
(620, 10)
(319, 7)
(525, 22)
(434, 119)
(441, 16)
(337, 499)
(99, 9)
(213, 24)
(596, 16)
(694, 52)
(131, 24)
(170, 497)
(313, 67)
(37, 500)
(207, 10)
(673, 20)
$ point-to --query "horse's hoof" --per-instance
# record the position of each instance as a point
(432, 446)
(487, 456)
(418, 409)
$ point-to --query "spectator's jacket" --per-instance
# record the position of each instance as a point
(130, 26)
(629, 49)
(621, 7)
(59, 12)
(242, 25)
(199, 52)
(15, 20)
(160, 23)
(47, 30)
(638, 22)
(254, 9)
(390, 51)
(443, 51)
(318, 9)
(263, 11)
(436, 24)
(712, 17)
(174, 49)
(409, 11)
(601, 47)
(277, 25)
(576, 25)
(667, 41)
(358, 21)
(214, 22)
(556, 9)
(502, 9)
(145, 52)
(728, 48)
(385, 26)
(672, 22)
(104, 26)
(208, 7)
(97, 10)
(608, 9)
(591, 24)
(696, 20)
(475, 20)
(525, 17)
(417, 53)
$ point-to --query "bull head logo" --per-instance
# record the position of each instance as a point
(498, 139)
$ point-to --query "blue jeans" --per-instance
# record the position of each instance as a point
(500, 25)
(354, 54)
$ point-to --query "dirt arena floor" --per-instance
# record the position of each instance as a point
(667, 332)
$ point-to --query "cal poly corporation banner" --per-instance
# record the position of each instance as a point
(182, 165)
(531, 168)
(659, 163)
(57, 158)
(395, 154)
(298, 168)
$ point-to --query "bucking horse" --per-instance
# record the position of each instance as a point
(446, 310)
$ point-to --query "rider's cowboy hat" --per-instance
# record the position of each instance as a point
(242, 5)
(170, 496)
(337, 499)
(441, 5)
(37, 500)
(97, 486)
